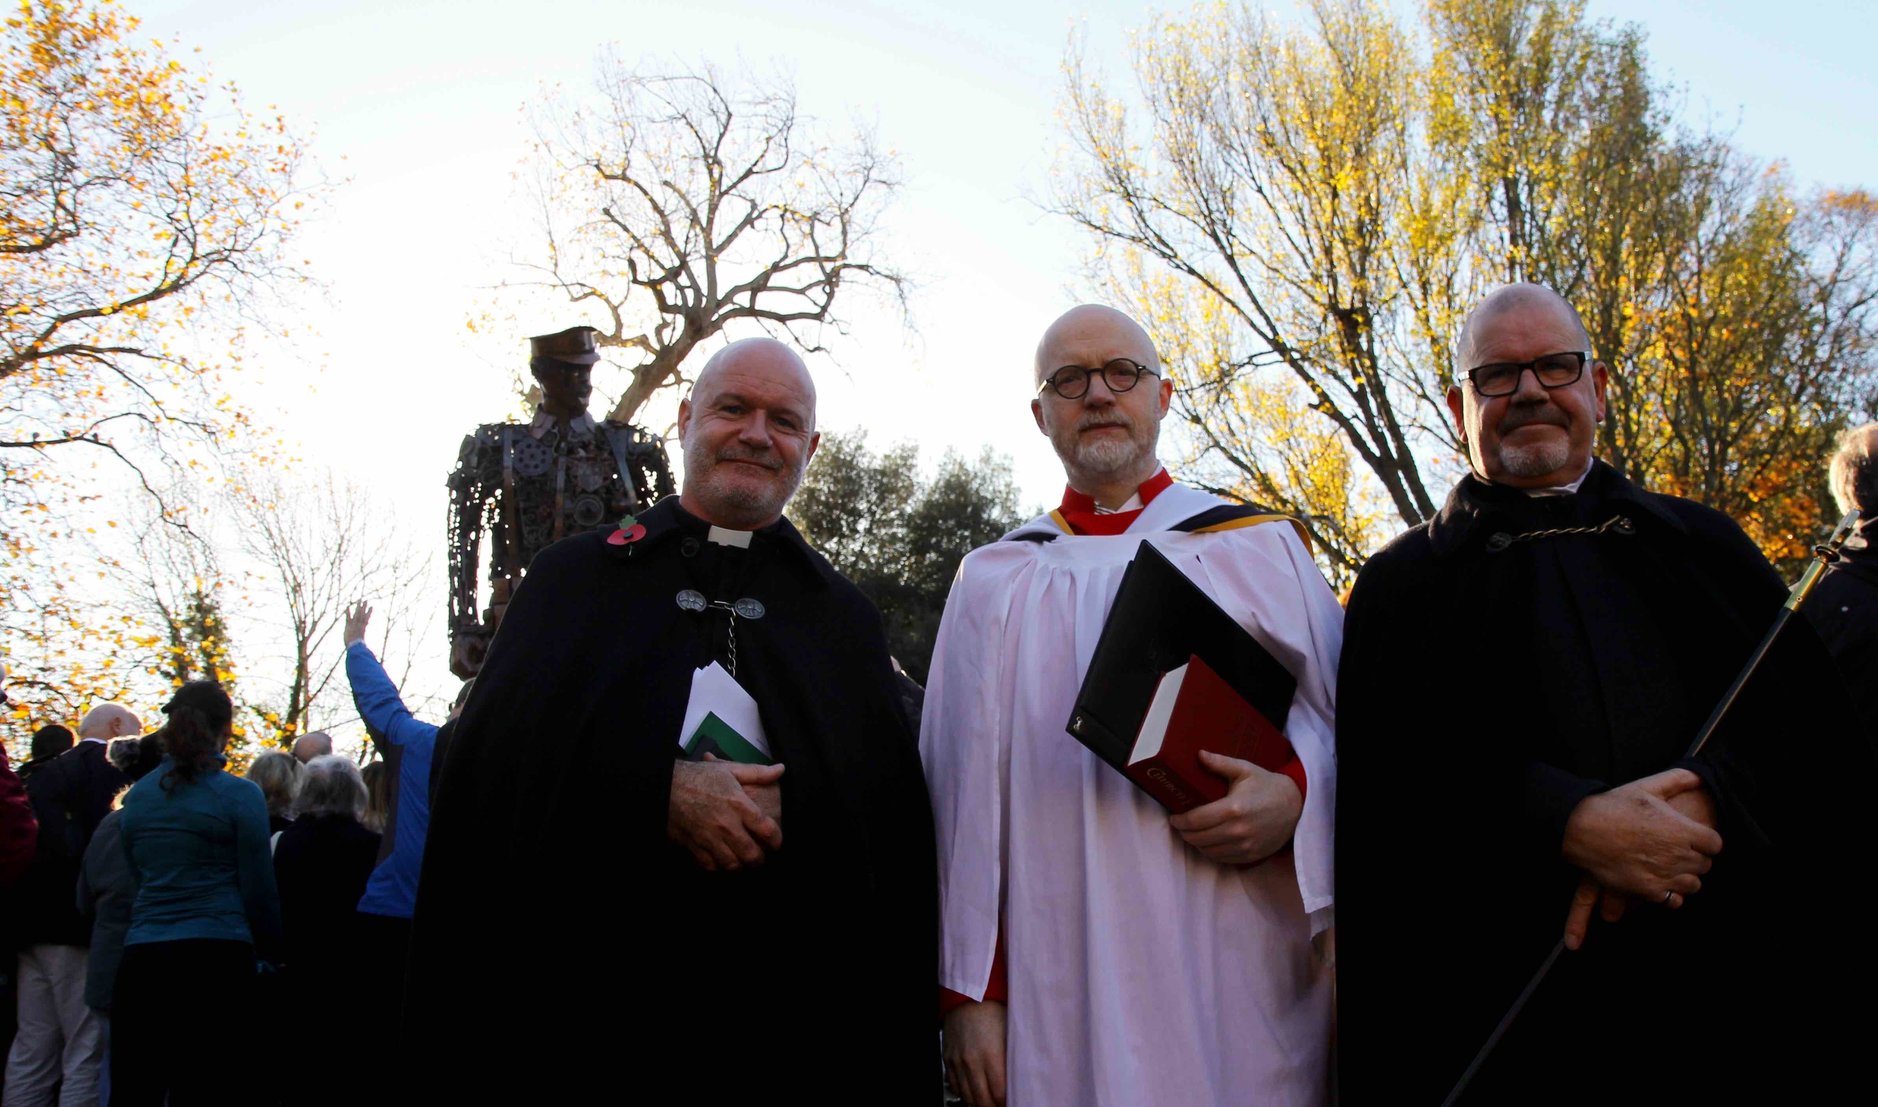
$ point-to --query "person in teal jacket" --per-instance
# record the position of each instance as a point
(197, 841)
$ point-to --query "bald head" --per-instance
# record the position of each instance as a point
(1535, 435)
(748, 431)
(316, 743)
(1855, 471)
(762, 356)
(109, 720)
(1511, 298)
(1094, 324)
(1105, 438)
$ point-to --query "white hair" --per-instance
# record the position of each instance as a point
(332, 786)
(1854, 471)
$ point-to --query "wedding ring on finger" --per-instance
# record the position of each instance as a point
(1667, 897)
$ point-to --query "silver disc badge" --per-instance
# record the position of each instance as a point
(532, 458)
(748, 608)
(691, 600)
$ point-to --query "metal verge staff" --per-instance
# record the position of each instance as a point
(1823, 557)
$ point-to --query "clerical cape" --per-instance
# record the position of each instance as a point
(1844, 608)
(1139, 971)
(1501, 663)
(565, 950)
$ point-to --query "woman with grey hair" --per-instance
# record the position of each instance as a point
(278, 775)
(321, 865)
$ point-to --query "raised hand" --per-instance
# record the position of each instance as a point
(357, 616)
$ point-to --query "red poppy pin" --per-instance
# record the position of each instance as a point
(630, 530)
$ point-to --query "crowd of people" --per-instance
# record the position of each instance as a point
(159, 903)
(1487, 756)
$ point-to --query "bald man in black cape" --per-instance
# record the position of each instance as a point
(1520, 679)
(599, 917)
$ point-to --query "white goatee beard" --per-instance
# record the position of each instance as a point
(1536, 460)
(1108, 458)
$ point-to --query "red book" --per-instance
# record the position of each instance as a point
(1160, 625)
(1195, 709)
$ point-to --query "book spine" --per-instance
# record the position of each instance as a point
(1154, 778)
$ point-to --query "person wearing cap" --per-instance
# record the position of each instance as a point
(532, 484)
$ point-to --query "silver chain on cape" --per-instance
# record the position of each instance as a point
(1500, 540)
(690, 599)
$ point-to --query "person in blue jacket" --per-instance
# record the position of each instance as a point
(385, 908)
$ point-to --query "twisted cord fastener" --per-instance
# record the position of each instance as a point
(1619, 524)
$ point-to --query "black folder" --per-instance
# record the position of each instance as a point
(1159, 619)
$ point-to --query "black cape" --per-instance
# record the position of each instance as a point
(1845, 609)
(1486, 687)
(563, 946)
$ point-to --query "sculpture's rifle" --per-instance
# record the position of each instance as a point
(1824, 555)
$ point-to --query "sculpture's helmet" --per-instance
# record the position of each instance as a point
(575, 345)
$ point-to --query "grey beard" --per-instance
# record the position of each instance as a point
(1107, 458)
(1536, 460)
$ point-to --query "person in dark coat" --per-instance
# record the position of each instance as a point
(321, 864)
(753, 934)
(48, 743)
(60, 1041)
(1845, 604)
(1520, 678)
(106, 889)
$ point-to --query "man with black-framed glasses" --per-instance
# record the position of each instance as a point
(1096, 950)
(1520, 677)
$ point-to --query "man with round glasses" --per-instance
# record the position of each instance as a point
(1096, 950)
(1520, 678)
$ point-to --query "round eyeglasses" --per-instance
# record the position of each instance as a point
(1501, 378)
(1072, 381)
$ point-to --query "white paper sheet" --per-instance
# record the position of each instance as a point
(715, 692)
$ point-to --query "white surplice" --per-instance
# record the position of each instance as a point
(1141, 974)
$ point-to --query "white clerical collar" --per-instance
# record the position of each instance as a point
(543, 422)
(725, 537)
(1568, 489)
(1133, 504)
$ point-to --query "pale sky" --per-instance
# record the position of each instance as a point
(415, 107)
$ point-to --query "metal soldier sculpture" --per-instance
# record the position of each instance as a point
(530, 484)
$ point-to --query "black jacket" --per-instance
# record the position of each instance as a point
(1845, 609)
(321, 864)
(549, 884)
(71, 796)
(1491, 679)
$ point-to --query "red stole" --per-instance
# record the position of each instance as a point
(1079, 510)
